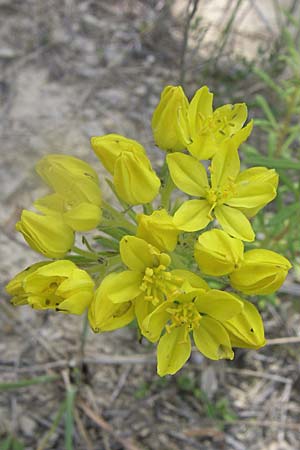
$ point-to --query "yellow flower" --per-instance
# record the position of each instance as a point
(206, 131)
(73, 179)
(202, 312)
(261, 272)
(148, 281)
(77, 199)
(228, 196)
(217, 253)
(134, 179)
(158, 229)
(104, 315)
(58, 285)
(82, 216)
(48, 235)
(165, 119)
(15, 286)
(246, 330)
(110, 146)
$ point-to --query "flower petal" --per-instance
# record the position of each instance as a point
(154, 323)
(252, 195)
(246, 330)
(104, 315)
(212, 340)
(193, 215)
(135, 253)
(124, 286)
(235, 223)
(194, 280)
(218, 304)
(188, 174)
(217, 253)
(173, 351)
(225, 167)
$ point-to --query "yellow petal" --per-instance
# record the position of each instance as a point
(166, 129)
(104, 315)
(154, 323)
(173, 351)
(188, 174)
(252, 196)
(201, 104)
(15, 286)
(76, 303)
(262, 272)
(212, 339)
(142, 308)
(83, 217)
(235, 223)
(125, 286)
(225, 167)
(242, 135)
(246, 330)
(50, 204)
(70, 177)
(216, 253)
(48, 235)
(235, 115)
(194, 280)
(252, 177)
(134, 180)
(158, 229)
(136, 253)
(193, 215)
(218, 304)
(110, 146)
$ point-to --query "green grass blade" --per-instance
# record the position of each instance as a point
(31, 382)
(5, 445)
(69, 423)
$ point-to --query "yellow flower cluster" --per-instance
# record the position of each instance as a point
(152, 261)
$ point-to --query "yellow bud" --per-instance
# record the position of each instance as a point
(169, 117)
(104, 315)
(262, 272)
(110, 146)
(246, 329)
(72, 178)
(217, 253)
(15, 286)
(158, 229)
(48, 235)
(58, 285)
(134, 179)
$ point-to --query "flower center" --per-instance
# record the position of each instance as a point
(183, 314)
(158, 284)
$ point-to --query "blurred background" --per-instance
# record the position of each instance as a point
(71, 69)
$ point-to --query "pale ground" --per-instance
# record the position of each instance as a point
(74, 69)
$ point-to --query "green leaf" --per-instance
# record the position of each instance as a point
(264, 105)
(269, 82)
(272, 163)
(284, 214)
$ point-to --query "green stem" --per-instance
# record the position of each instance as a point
(86, 254)
(119, 218)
